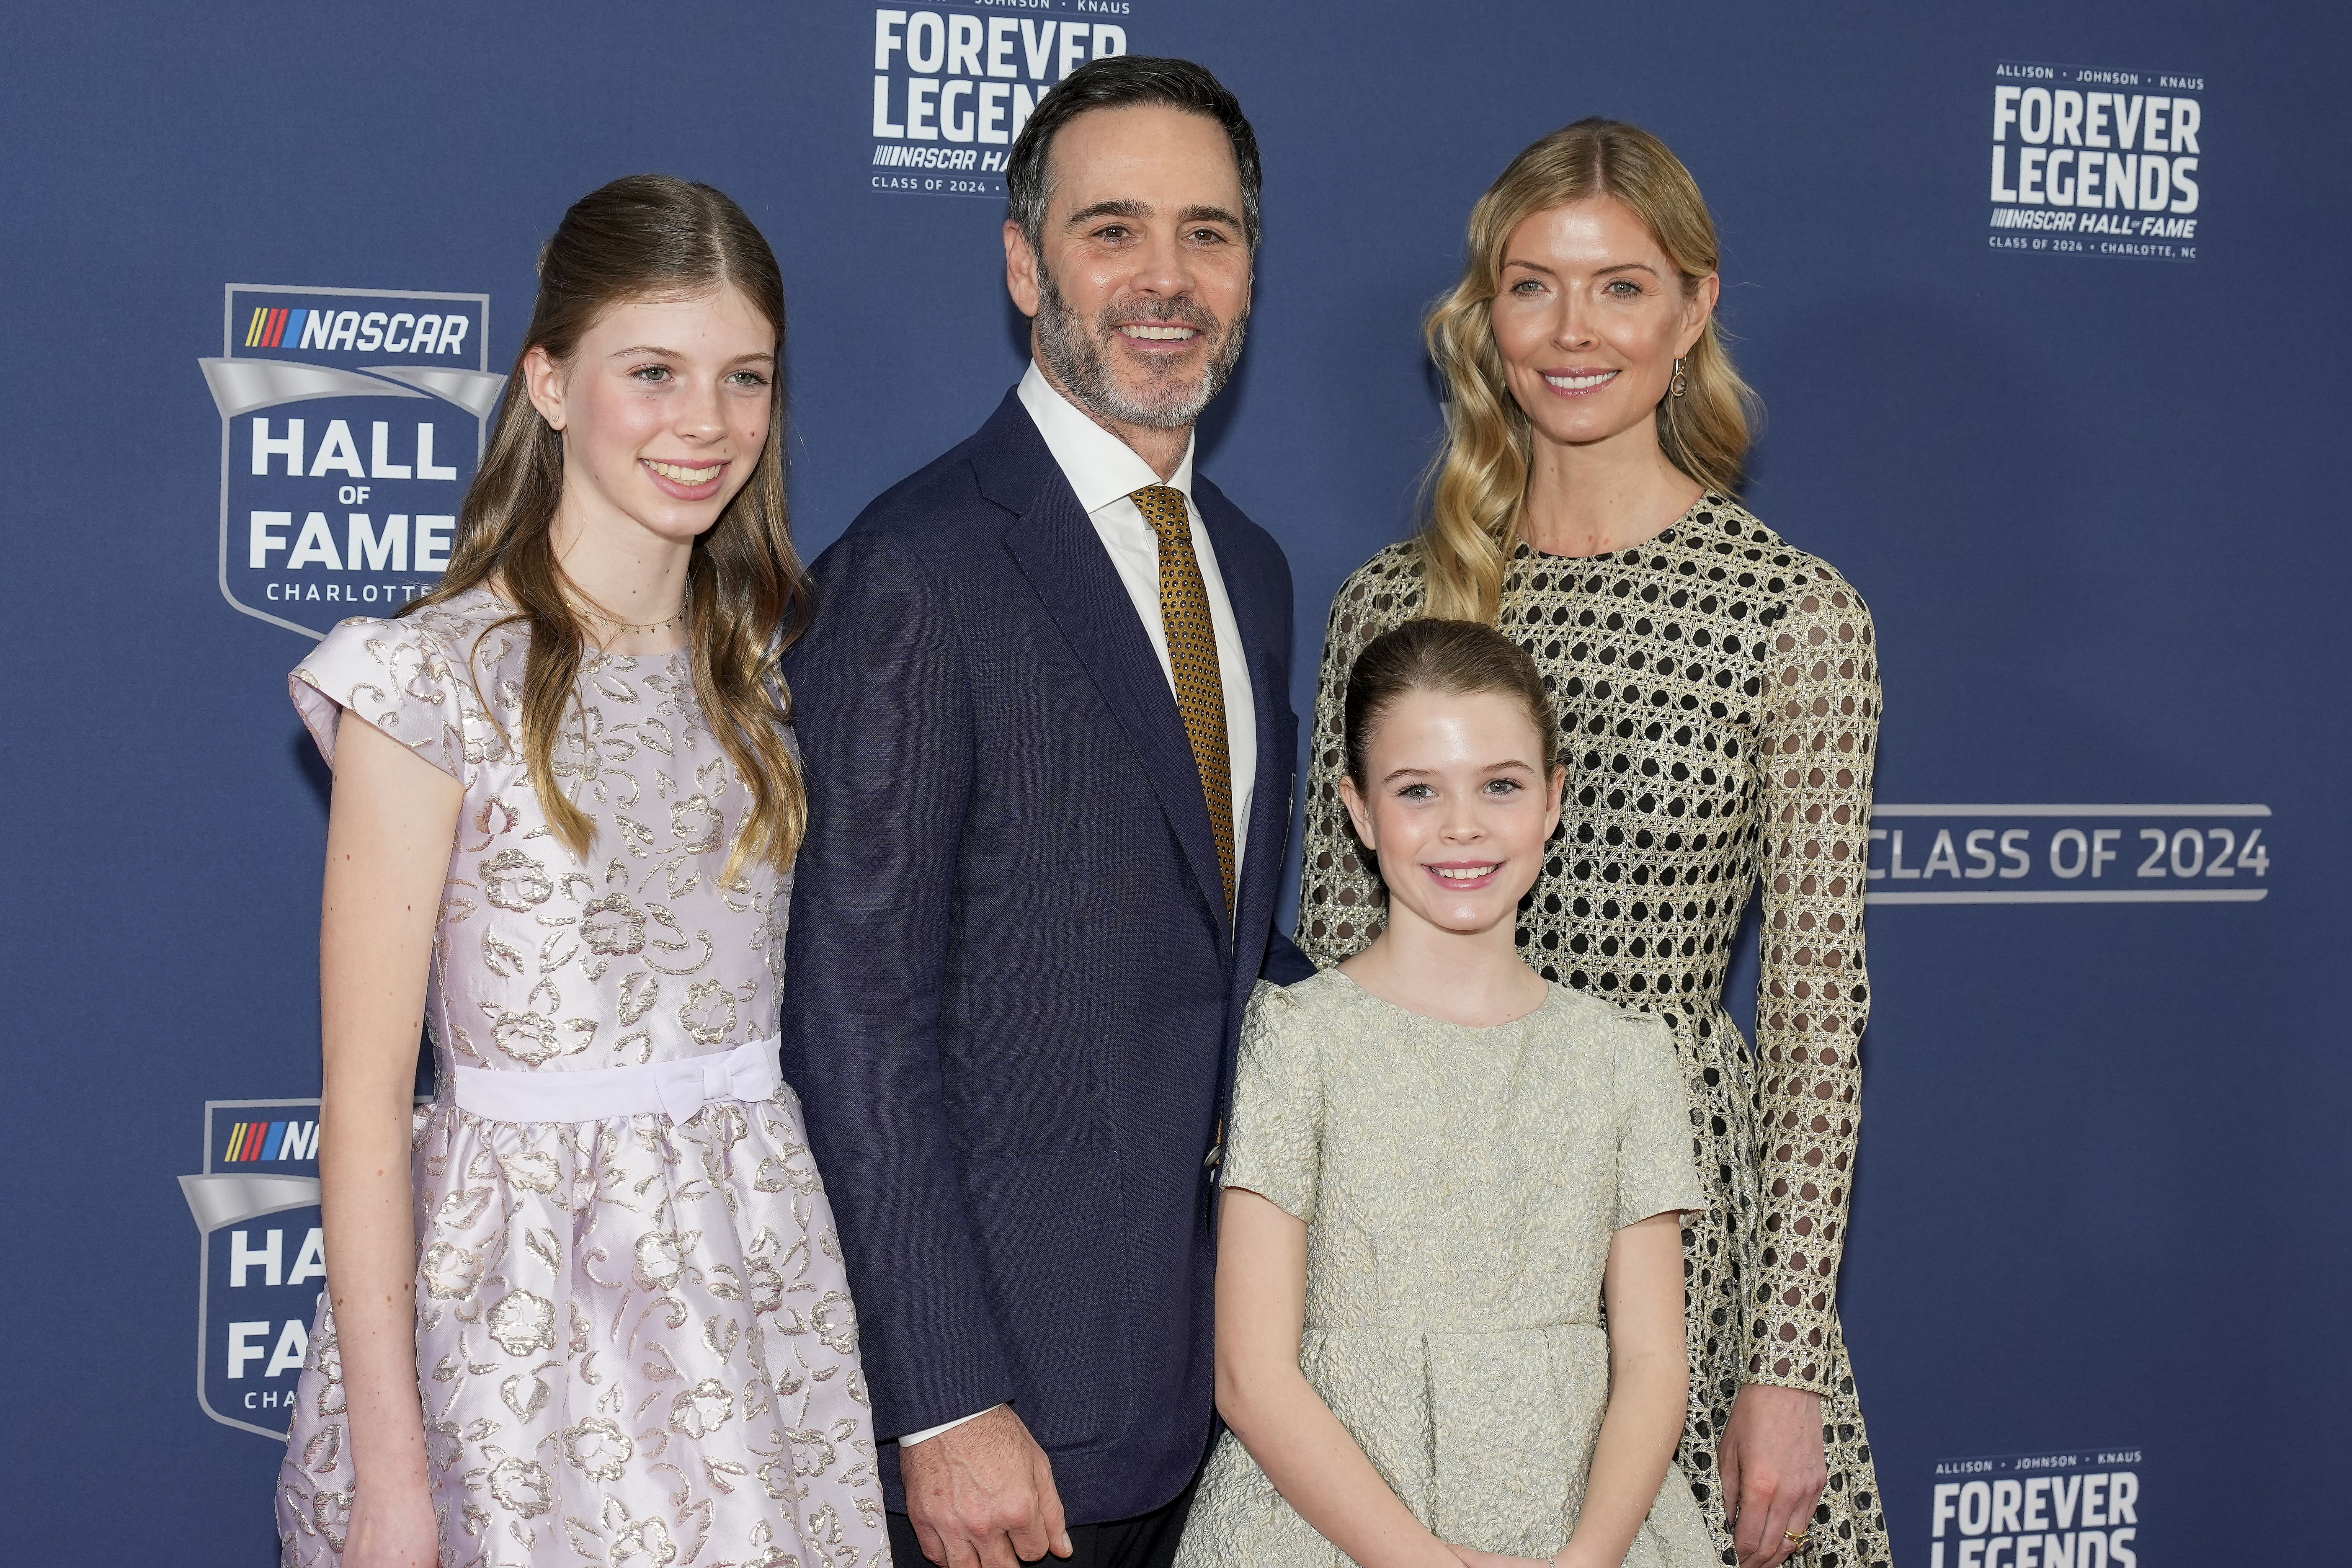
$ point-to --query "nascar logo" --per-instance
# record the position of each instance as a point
(261, 1261)
(255, 1141)
(299, 327)
(350, 423)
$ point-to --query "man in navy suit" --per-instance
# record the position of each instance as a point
(1044, 709)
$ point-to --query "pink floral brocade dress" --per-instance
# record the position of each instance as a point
(635, 1338)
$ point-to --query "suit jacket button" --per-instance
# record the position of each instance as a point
(1216, 1156)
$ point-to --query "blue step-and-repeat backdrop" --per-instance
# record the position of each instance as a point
(2046, 302)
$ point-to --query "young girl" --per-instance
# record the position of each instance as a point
(1439, 1168)
(588, 1305)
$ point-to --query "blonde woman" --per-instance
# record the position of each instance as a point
(1718, 693)
(588, 1305)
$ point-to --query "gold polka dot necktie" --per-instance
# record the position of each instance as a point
(1192, 659)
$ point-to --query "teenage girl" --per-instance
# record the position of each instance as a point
(588, 1305)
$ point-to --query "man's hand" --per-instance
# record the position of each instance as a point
(982, 1493)
(1773, 1470)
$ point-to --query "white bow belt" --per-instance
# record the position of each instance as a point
(675, 1089)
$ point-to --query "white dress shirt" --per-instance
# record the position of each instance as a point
(1105, 473)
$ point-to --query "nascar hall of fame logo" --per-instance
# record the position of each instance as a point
(2075, 1508)
(953, 86)
(264, 1258)
(352, 420)
(2069, 854)
(2096, 162)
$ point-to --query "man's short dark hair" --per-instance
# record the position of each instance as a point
(1118, 82)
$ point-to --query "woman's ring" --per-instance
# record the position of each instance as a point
(1794, 1536)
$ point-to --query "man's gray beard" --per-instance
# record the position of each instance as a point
(1079, 363)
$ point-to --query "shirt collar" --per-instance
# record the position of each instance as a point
(1101, 466)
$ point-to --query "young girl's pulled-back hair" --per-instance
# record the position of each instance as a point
(747, 595)
(1455, 658)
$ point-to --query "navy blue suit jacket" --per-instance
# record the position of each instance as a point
(1012, 999)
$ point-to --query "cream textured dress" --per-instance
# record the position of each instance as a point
(1718, 693)
(635, 1338)
(1460, 1187)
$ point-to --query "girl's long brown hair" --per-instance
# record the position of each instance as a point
(748, 596)
(1479, 481)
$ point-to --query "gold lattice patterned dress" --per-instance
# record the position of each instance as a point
(1718, 697)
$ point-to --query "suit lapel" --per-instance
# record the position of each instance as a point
(1259, 620)
(1056, 547)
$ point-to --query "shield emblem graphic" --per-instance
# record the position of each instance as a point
(352, 420)
(263, 1258)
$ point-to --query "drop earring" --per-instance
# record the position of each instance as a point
(1681, 384)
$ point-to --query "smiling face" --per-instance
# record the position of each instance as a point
(1458, 803)
(663, 407)
(1590, 320)
(1139, 287)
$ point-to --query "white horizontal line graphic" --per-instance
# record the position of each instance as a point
(1886, 809)
(2082, 896)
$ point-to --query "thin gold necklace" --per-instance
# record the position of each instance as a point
(647, 628)
(606, 619)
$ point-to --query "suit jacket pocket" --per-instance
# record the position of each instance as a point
(1053, 1235)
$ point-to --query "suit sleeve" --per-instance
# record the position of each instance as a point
(1285, 964)
(883, 706)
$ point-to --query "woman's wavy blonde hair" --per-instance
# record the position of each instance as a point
(746, 595)
(1479, 483)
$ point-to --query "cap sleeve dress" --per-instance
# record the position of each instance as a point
(635, 1338)
(1460, 1188)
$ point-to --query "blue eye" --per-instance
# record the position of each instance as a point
(652, 373)
(1504, 786)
